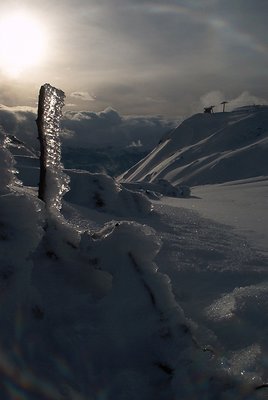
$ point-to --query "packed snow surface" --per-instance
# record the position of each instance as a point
(126, 293)
(241, 204)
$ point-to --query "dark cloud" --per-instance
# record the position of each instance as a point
(20, 121)
(85, 96)
(89, 129)
(108, 128)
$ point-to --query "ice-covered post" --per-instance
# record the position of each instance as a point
(53, 182)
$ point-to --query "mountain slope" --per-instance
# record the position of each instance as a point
(209, 148)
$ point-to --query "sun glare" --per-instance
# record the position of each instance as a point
(22, 43)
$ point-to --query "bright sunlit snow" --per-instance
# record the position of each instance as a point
(148, 287)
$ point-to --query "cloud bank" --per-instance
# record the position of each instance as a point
(90, 129)
(109, 128)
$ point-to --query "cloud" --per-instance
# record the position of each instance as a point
(109, 128)
(89, 129)
(85, 96)
(246, 99)
(21, 122)
(135, 144)
(212, 98)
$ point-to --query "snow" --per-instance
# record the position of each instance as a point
(241, 204)
(220, 281)
(158, 188)
(112, 295)
(208, 149)
(103, 193)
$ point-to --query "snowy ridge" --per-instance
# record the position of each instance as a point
(209, 148)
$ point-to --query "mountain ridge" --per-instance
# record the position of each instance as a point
(208, 149)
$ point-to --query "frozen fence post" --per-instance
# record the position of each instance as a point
(53, 182)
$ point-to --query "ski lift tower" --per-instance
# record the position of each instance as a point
(223, 105)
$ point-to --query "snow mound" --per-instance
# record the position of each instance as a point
(102, 193)
(209, 148)
(239, 302)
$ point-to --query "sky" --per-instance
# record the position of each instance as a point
(141, 57)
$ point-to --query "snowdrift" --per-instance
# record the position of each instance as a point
(209, 148)
(102, 193)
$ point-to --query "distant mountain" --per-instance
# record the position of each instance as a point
(209, 148)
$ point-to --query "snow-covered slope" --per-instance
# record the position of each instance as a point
(116, 297)
(209, 148)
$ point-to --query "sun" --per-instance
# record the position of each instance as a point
(22, 43)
